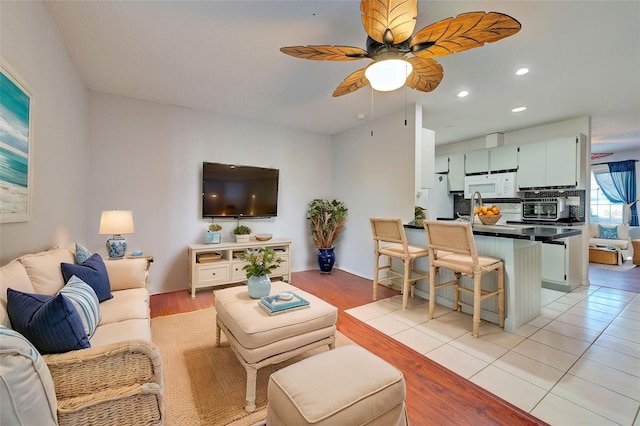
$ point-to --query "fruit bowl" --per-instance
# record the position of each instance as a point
(263, 237)
(489, 220)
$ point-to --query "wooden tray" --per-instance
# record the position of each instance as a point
(208, 257)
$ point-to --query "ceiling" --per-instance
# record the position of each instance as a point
(223, 57)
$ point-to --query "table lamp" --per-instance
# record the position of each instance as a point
(116, 222)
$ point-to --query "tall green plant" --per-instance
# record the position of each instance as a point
(326, 220)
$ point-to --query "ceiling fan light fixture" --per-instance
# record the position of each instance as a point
(388, 74)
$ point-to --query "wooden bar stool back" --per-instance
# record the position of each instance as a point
(452, 246)
(390, 240)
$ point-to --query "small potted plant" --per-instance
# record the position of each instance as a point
(242, 233)
(326, 220)
(260, 263)
(213, 234)
(419, 215)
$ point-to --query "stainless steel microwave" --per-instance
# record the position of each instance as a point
(548, 209)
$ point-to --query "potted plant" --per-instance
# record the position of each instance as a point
(260, 263)
(213, 234)
(419, 215)
(242, 233)
(326, 220)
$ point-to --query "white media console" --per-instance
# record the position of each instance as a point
(212, 265)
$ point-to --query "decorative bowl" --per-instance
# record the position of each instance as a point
(263, 237)
(489, 220)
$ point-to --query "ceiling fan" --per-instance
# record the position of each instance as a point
(391, 44)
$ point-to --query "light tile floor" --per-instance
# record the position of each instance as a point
(576, 364)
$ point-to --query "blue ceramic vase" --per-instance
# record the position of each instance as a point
(326, 259)
(259, 286)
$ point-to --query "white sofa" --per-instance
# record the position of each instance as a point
(621, 242)
(118, 380)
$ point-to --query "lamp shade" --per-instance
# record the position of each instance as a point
(116, 222)
(388, 74)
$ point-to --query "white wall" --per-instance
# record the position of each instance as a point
(30, 44)
(373, 176)
(148, 157)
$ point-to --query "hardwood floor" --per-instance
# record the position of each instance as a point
(629, 280)
(435, 395)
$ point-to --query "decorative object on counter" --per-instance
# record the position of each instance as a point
(242, 233)
(261, 263)
(419, 215)
(326, 220)
(488, 215)
(213, 234)
(263, 237)
(116, 222)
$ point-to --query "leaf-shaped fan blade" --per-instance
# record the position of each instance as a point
(325, 53)
(426, 75)
(389, 21)
(463, 32)
(355, 81)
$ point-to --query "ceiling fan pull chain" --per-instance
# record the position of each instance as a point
(372, 111)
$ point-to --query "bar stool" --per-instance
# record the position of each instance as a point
(452, 246)
(390, 240)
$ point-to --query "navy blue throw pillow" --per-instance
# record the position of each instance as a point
(93, 272)
(51, 323)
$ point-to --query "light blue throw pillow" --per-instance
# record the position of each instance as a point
(85, 301)
(608, 233)
(82, 254)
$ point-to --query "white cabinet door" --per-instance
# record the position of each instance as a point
(442, 164)
(476, 162)
(532, 165)
(561, 164)
(456, 172)
(503, 158)
(554, 262)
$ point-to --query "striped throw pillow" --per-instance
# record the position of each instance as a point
(85, 301)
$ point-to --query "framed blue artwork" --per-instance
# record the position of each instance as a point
(15, 147)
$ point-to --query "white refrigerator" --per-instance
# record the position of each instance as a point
(437, 200)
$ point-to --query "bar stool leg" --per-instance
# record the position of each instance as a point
(501, 295)
(376, 271)
(477, 300)
(456, 293)
(405, 283)
(432, 289)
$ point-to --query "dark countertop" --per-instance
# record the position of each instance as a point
(522, 232)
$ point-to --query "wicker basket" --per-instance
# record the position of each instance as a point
(489, 220)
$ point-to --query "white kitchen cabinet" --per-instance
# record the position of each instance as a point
(456, 172)
(476, 162)
(441, 164)
(552, 163)
(561, 264)
(503, 158)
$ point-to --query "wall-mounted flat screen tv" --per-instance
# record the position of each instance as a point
(239, 191)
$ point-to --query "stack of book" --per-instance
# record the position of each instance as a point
(283, 302)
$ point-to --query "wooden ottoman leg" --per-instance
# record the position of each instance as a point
(252, 374)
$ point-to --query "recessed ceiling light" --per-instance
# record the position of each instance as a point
(361, 116)
(522, 71)
(519, 109)
(463, 94)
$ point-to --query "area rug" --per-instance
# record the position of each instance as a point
(205, 384)
(626, 266)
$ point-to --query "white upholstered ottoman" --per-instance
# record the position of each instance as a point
(346, 386)
(259, 339)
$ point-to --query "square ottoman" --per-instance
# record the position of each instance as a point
(259, 339)
(346, 386)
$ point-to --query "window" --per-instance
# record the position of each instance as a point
(603, 210)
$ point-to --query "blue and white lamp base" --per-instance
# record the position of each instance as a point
(116, 247)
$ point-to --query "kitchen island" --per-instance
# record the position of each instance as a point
(519, 247)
